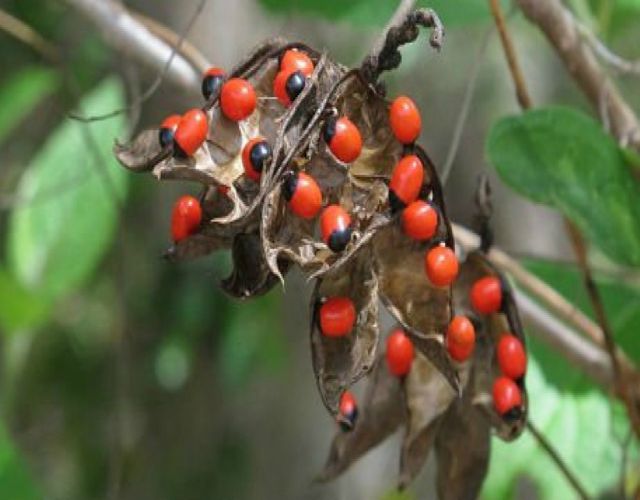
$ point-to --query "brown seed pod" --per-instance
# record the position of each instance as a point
(441, 403)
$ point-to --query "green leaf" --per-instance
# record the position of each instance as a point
(15, 480)
(562, 158)
(22, 93)
(378, 12)
(398, 495)
(20, 309)
(57, 239)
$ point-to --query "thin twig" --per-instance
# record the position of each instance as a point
(563, 32)
(609, 343)
(472, 79)
(522, 94)
(166, 34)
(553, 454)
(126, 33)
(618, 63)
(592, 360)
(27, 35)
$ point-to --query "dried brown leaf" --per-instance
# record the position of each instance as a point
(250, 276)
(382, 411)
(462, 449)
(428, 395)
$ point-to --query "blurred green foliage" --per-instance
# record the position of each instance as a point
(54, 247)
(563, 158)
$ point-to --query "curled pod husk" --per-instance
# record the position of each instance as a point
(428, 395)
(462, 448)
(489, 329)
(339, 362)
(382, 411)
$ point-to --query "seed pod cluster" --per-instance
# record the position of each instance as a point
(303, 162)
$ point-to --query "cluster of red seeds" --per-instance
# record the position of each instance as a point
(486, 298)
(419, 219)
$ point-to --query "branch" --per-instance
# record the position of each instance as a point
(618, 63)
(555, 456)
(27, 35)
(563, 32)
(522, 94)
(126, 34)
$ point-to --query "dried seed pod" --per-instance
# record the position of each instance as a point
(382, 258)
(490, 328)
(381, 412)
(340, 361)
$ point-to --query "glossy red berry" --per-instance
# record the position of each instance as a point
(237, 99)
(348, 411)
(255, 154)
(441, 266)
(419, 220)
(405, 120)
(337, 316)
(168, 129)
(296, 60)
(512, 358)
(399, 353)
(343, 138)
(507, 398)
(461, 338)
(486, 295)
(191, 132)
(186, 217)
(406, 182)
(335, 227)
(287, 86)
(303, 194)
(212, 82)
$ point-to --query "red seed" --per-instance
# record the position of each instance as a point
(192, 131)
(335, 227)
(506, 395)
(237, 99)
(419, 220)
(343, 138)
(461, 338)
(337, 316)
(303, 195)
(399, 353)
(185, 218)
(405, 120)
(347, 403)
(406, 182)
(441, 266)
(254, 155)
(486, 295)
(512, 358)
(296, 60)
